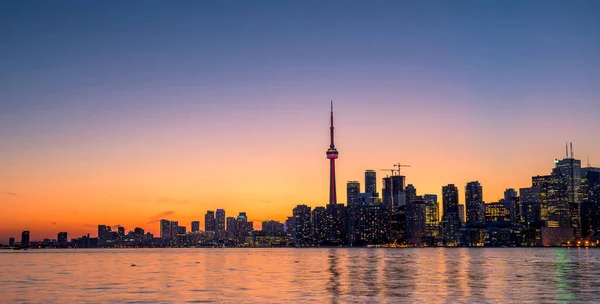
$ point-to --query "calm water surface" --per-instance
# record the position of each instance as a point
(341, 275)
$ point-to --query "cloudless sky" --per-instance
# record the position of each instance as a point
(124, 113)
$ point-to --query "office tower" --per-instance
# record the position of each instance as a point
(450, 219)
(337, 224)
(61, 239)
(474, 204)
(103, 235)
(544, 183)
(290, 228)
(303, 229)
(416, 220)
(173, 232)
(25, 239)
(352, 191)
(530, 202)
(120, 233)
(138, 235)
(432, 222)
(209, 221)
(243, 227)
(590, 202)
(220, 223)
(566, 205)
(165, 231)
(371, 183)
(11, 242)
(231, 228)
(332, 155)
(319, 224)
(195, 226)
(511, 202)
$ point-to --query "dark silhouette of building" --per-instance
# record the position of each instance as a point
(11, 242)
(25, 239)
(371, 183)
(272, 228)
(475, 207)
(530, 203)
(450, 219)
(590, 203)
(195, 226)
(220, 223)
(332, 155)
(352, 191)
(303, 231)
(61, 239)
(319, 224)
(209, 221)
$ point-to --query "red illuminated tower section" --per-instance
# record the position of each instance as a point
(332, 155)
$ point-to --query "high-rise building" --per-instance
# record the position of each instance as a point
(25, 239)
(411, 194)
(352, 191)
(474, 204)
(231, 228)
(121, 233)
(337, 224)
(220, 223)
(590, 202)
(209, 221)
(319, 224)
(165, 231)
(332, 155)
(432, 219)
(371, 183)
(393, 188)
(450, 219)
(173, 232)
(512, 205)
(544, 183)
(303, 229)
(290, 228)
(530, 203)
(11, 242)
(566, 205)
(243, 227)
(497, 212)
(416, 220)
(103, 235)
(138, 235)
(61, 239)
(195, 226)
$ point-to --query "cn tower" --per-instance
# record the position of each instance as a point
(332, 155)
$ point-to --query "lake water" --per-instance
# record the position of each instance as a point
(326, 275)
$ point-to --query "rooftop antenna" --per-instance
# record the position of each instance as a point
(571, 149)
(566, 150)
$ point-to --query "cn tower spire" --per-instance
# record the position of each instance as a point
(332, 155)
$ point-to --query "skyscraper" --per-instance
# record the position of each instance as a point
(61, 239)
(220, 223)
(432, 221)
(450, 219)
(303, 226)
(165, 231)
(567, 177)
(319, 224)
(25, 239)
(371, 183)
(195, 226)
(209, 221)
(352, 191)
(474, 204)
(332, 155)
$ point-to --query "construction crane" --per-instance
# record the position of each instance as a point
(391, 170)
(398, 165)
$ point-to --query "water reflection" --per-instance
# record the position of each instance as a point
(336, 275)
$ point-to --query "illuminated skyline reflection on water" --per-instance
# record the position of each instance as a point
(325, 275)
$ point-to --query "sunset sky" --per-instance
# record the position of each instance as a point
(125, 113)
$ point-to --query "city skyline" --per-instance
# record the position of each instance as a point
(113, 128)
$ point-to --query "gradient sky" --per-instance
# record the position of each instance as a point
(125, 113)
